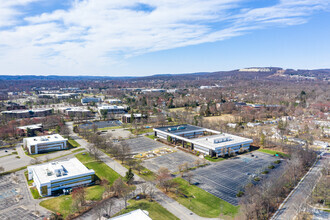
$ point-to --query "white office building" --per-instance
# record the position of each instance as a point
(54, 176)
(41, 144)
(206, 141)
(112, 109)
(137, 214)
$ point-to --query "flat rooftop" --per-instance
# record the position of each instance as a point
(221, 140)
(28, 110)
(55, 171)
(105, 107)
(137, 214)
(180, 129)
(35, 126)
(45, 139)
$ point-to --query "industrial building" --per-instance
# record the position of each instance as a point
(57, 176)
(42, 144)
(206, 141)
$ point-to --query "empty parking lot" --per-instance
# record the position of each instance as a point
(170, 161)
(224, 179)
(143, 144)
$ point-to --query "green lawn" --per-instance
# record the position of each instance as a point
(214, 159)
(272, 152)
(26, 176)
(102, 170)
(155, 210)
(73, 143)
(141, 131)
(151, 136)
(77, 150)
(61, 204)
(109, 128)
(201, 202)
(35, 193)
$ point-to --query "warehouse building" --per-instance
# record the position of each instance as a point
(42, 144)
(58, 176)
(206, 141)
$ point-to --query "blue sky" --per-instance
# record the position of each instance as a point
(145, 37)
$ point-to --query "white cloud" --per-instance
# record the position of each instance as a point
(91, 35)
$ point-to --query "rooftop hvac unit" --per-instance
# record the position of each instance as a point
(181, 127)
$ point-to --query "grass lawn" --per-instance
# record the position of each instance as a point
(101, 169)
(155, 210)
(109, 128)
(151, 136)
(26, 176)
(214, 159)
(201, 202)
(61, 204)
(73, 143)
(141, 130)
(77, 150)
(272, 152)
(35, 193)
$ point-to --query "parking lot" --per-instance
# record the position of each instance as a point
(19, 213)
(8, 193)
(225, 178)
(101, 124)
(170, 161)
(143, 144)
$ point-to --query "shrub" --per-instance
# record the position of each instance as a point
(271, 167)
(277, 161)
(240, 194)
(265, 172)
(18, 157)
(257, 179)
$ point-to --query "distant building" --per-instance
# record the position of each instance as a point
(206, 141)
(76, 112)
(58, 95)
(33, 128)
(112, 109)
(252, 125)
(28, 113)
(322, 144)
(42, 144)
(232, 125)
(113, 101)
(51, 177)
(13, 106)
(133, 215)
(255, 69)
(255, 105)
(88, 100)
(153, 90)
(126, 118)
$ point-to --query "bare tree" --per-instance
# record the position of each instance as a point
(189, 176)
